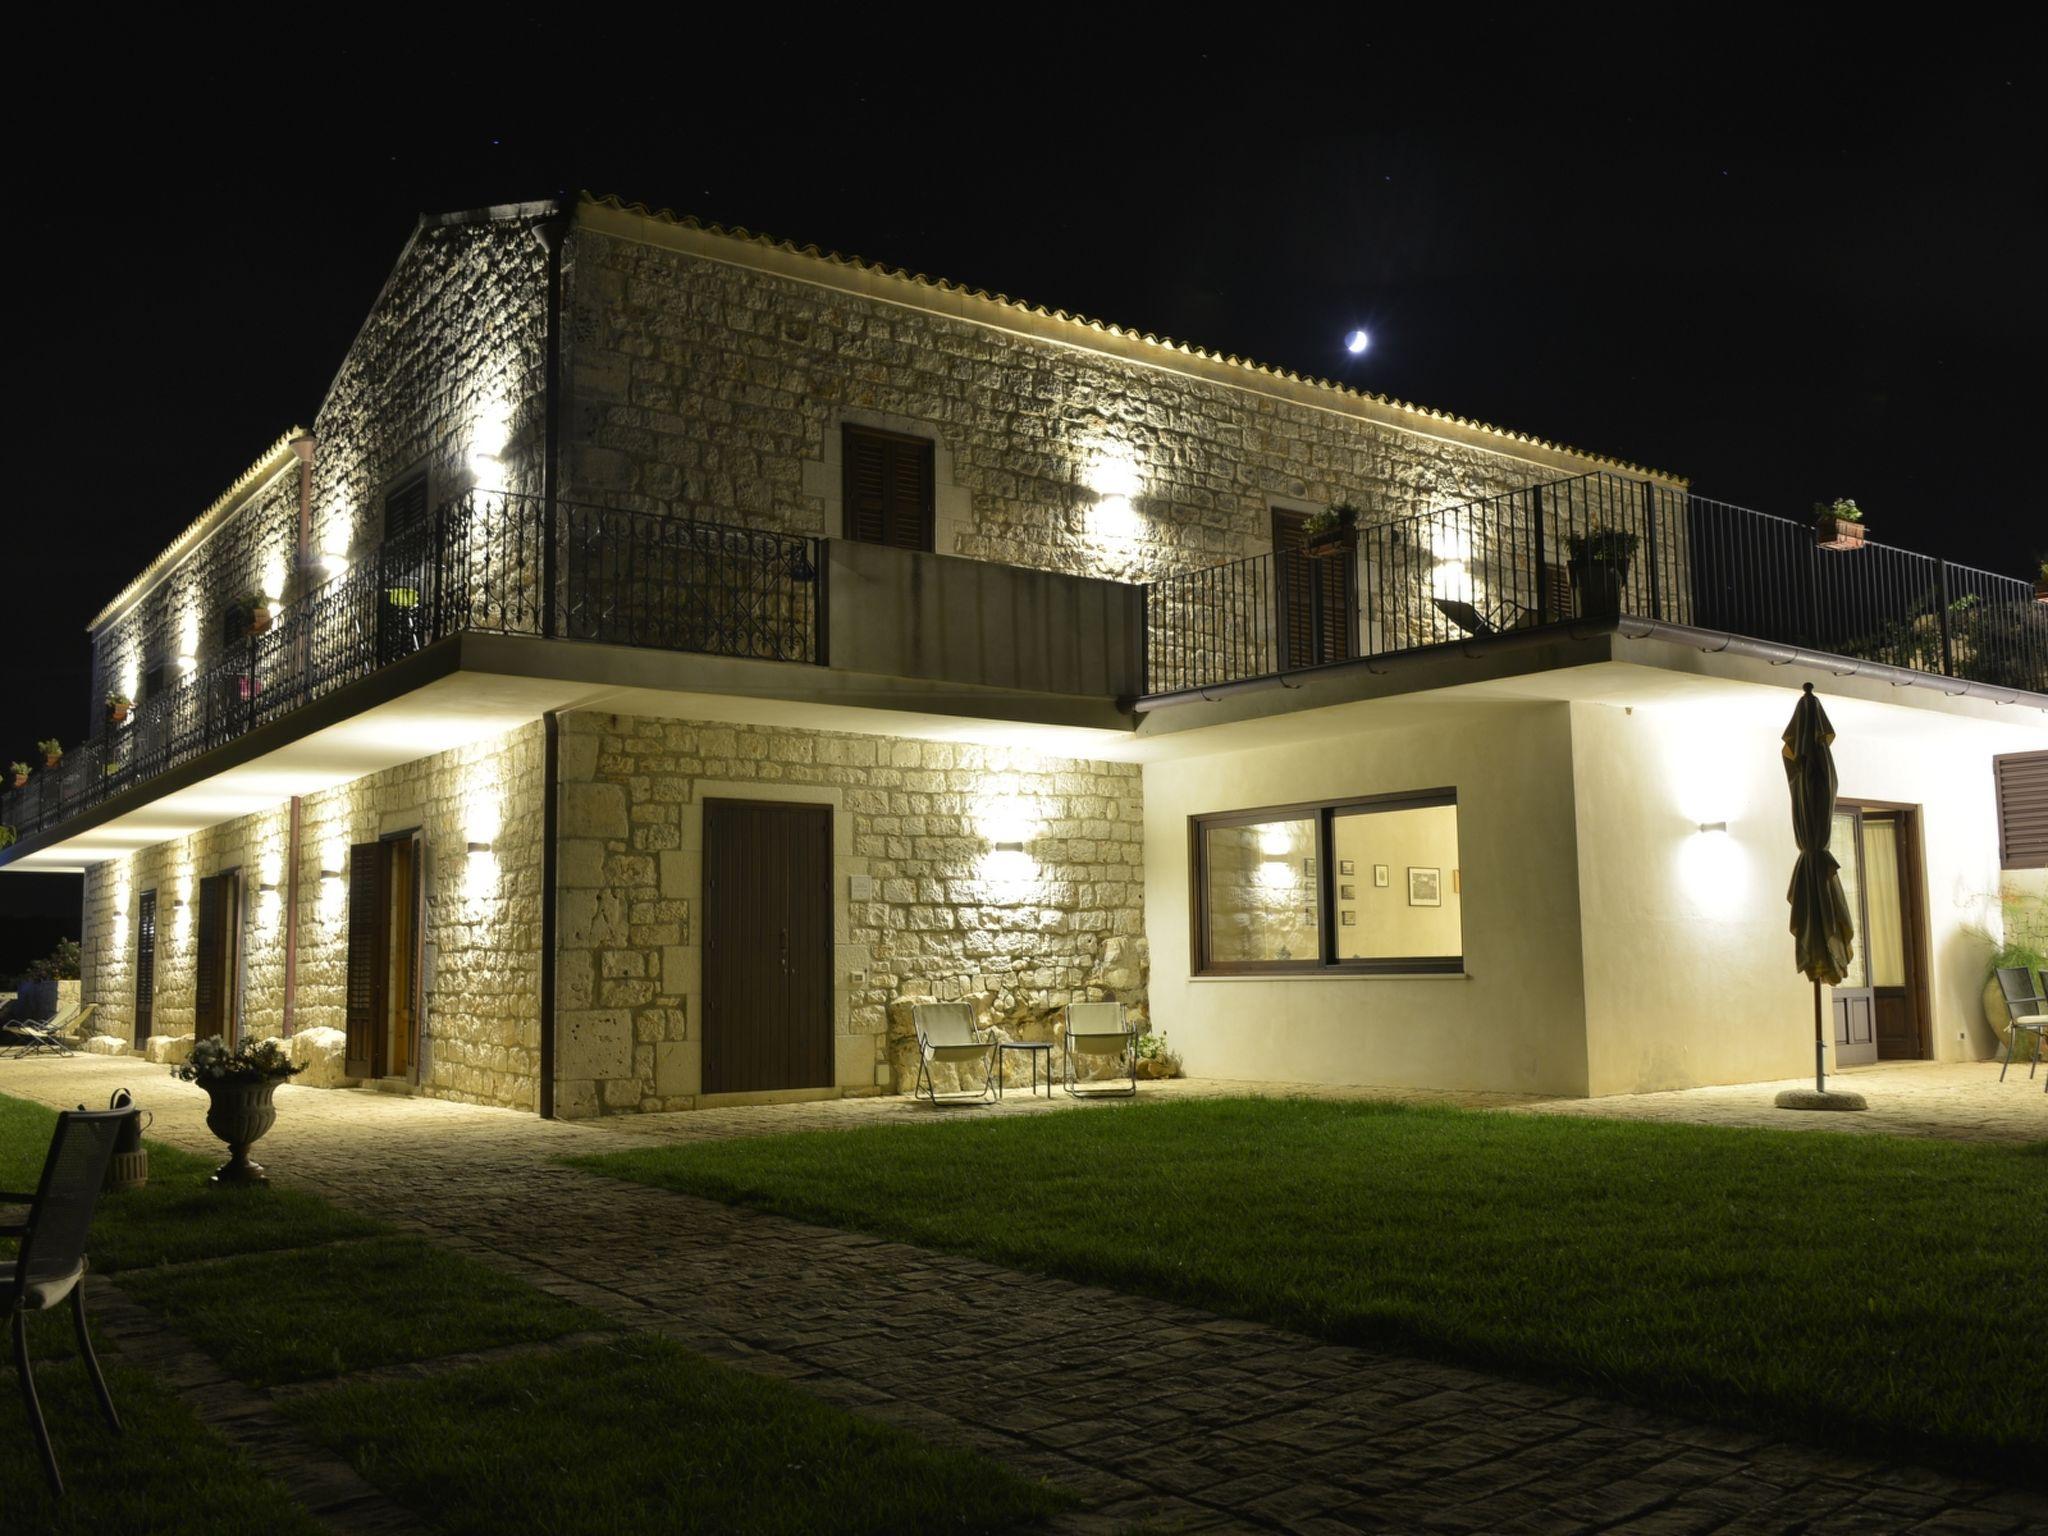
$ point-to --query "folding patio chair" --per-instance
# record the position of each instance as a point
(2029, 1010)
(1100, 1030)
(23, 1037)
(946, 1033)
(49, 1261)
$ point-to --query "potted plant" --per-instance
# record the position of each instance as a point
(20, 772)
(1838, 524)
(239, 1082)
(52, 750)
(118, 705)
(1332, 531)
(1600, 560)
(261, 614)
(7, 837)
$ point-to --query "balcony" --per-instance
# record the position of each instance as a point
(480, 566)
(1595, 549)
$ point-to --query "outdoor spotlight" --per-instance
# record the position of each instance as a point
(479, 847)
(1357, 342)
(1713, 826)
(1009, 847)
(267, 888)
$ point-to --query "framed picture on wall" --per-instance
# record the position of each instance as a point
(1379, 876)
(1347, 893)
(1346, 867)
(1425, 886)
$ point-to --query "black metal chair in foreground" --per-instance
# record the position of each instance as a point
(49, 1264)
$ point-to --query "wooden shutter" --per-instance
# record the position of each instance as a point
(368, 965)
(210, 984)
(2022, 781)
(406, 508)
(1316, 597)
(145, 969)
(888, 488)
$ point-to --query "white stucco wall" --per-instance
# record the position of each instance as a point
(1514, 1021)
(1688, 961)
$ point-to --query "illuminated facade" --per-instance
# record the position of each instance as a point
(667, 654)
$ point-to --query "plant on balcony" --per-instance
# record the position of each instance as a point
(239, 1082)
(52, 750)
(1332, 531)
(1600, 560)
(6, 835)
(118, 705)
(1838, 524)
(262, 613)
(20, 773)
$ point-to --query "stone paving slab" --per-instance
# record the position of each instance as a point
(1141, 1407)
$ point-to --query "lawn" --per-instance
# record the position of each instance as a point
(1858, 1290)
(640, 1435)
(627, 1435)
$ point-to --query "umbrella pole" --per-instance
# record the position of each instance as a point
(1820, 1049)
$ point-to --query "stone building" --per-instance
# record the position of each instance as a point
(670, 652)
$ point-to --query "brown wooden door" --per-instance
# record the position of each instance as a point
(217, 957)
(367, 999)
(1316, 597)
(767, 946)
(888, 488)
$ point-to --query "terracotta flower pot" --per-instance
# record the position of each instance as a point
(259, 621)
(239, 1113)
(1831, 532)
(51, 761)
(20, 779)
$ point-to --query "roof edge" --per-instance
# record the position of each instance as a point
(274, 458)
(1088, 331)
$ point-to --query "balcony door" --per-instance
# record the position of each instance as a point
(1316, 598)
(385, 930)
(1880, 1008)
(767, 946)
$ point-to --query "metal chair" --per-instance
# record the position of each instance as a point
(49, 1263)
(946, 1033)
(41, 1038)
(2029, 1010)
(1100, 1030)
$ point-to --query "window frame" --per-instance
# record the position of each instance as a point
(927, 451)
(1324, 813)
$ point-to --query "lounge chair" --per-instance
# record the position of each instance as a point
(24, 1037)
(946, 1033)
(1100, 1030)
(49, 1261)
(2029, 1010)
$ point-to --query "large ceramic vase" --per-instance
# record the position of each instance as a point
(239, 1114)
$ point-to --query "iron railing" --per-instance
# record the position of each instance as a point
(484, 563)
(1588, 548)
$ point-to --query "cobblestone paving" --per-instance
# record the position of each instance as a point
(1146, 1410)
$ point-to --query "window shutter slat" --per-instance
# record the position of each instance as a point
(2021, 780)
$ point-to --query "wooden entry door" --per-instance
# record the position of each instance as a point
(1879, 1012)
(218, 961)
(767, 946)
(382, 1004)
(1316, 598)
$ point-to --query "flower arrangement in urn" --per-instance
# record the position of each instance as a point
(240, 1081)
(1838, 524)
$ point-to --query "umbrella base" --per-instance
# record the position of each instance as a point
(1808, 1098)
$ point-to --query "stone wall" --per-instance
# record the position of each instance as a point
(450, 363)
(923, 904)
(718, 388)
(481, 1041)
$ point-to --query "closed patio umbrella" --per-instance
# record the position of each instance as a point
(1823, 931)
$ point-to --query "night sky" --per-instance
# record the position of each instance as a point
(1816, 278)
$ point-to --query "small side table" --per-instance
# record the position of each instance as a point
(1036, 1049)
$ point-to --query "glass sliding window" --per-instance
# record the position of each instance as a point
(1415, 914)
(1260, 886)
(1370, 885)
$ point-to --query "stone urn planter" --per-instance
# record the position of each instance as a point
(239, 1084)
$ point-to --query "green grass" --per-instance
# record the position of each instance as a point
(641, 1435)
(168, 1474)
(311, 1312)
(1855, 1289)
(177, 1216)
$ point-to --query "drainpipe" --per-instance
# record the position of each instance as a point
(291, 914)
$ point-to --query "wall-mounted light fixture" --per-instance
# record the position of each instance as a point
(1713, 826)
(267, 888)
(1009, 848)
(330, 874)
(478, 847)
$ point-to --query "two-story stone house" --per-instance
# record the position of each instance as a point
(667, 649)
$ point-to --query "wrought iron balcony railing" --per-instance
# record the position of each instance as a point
(1592, 547)
(486, 563)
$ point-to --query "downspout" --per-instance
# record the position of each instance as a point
(551, 777)
(291, 914)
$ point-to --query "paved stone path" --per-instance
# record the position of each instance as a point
(1148, 1411)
